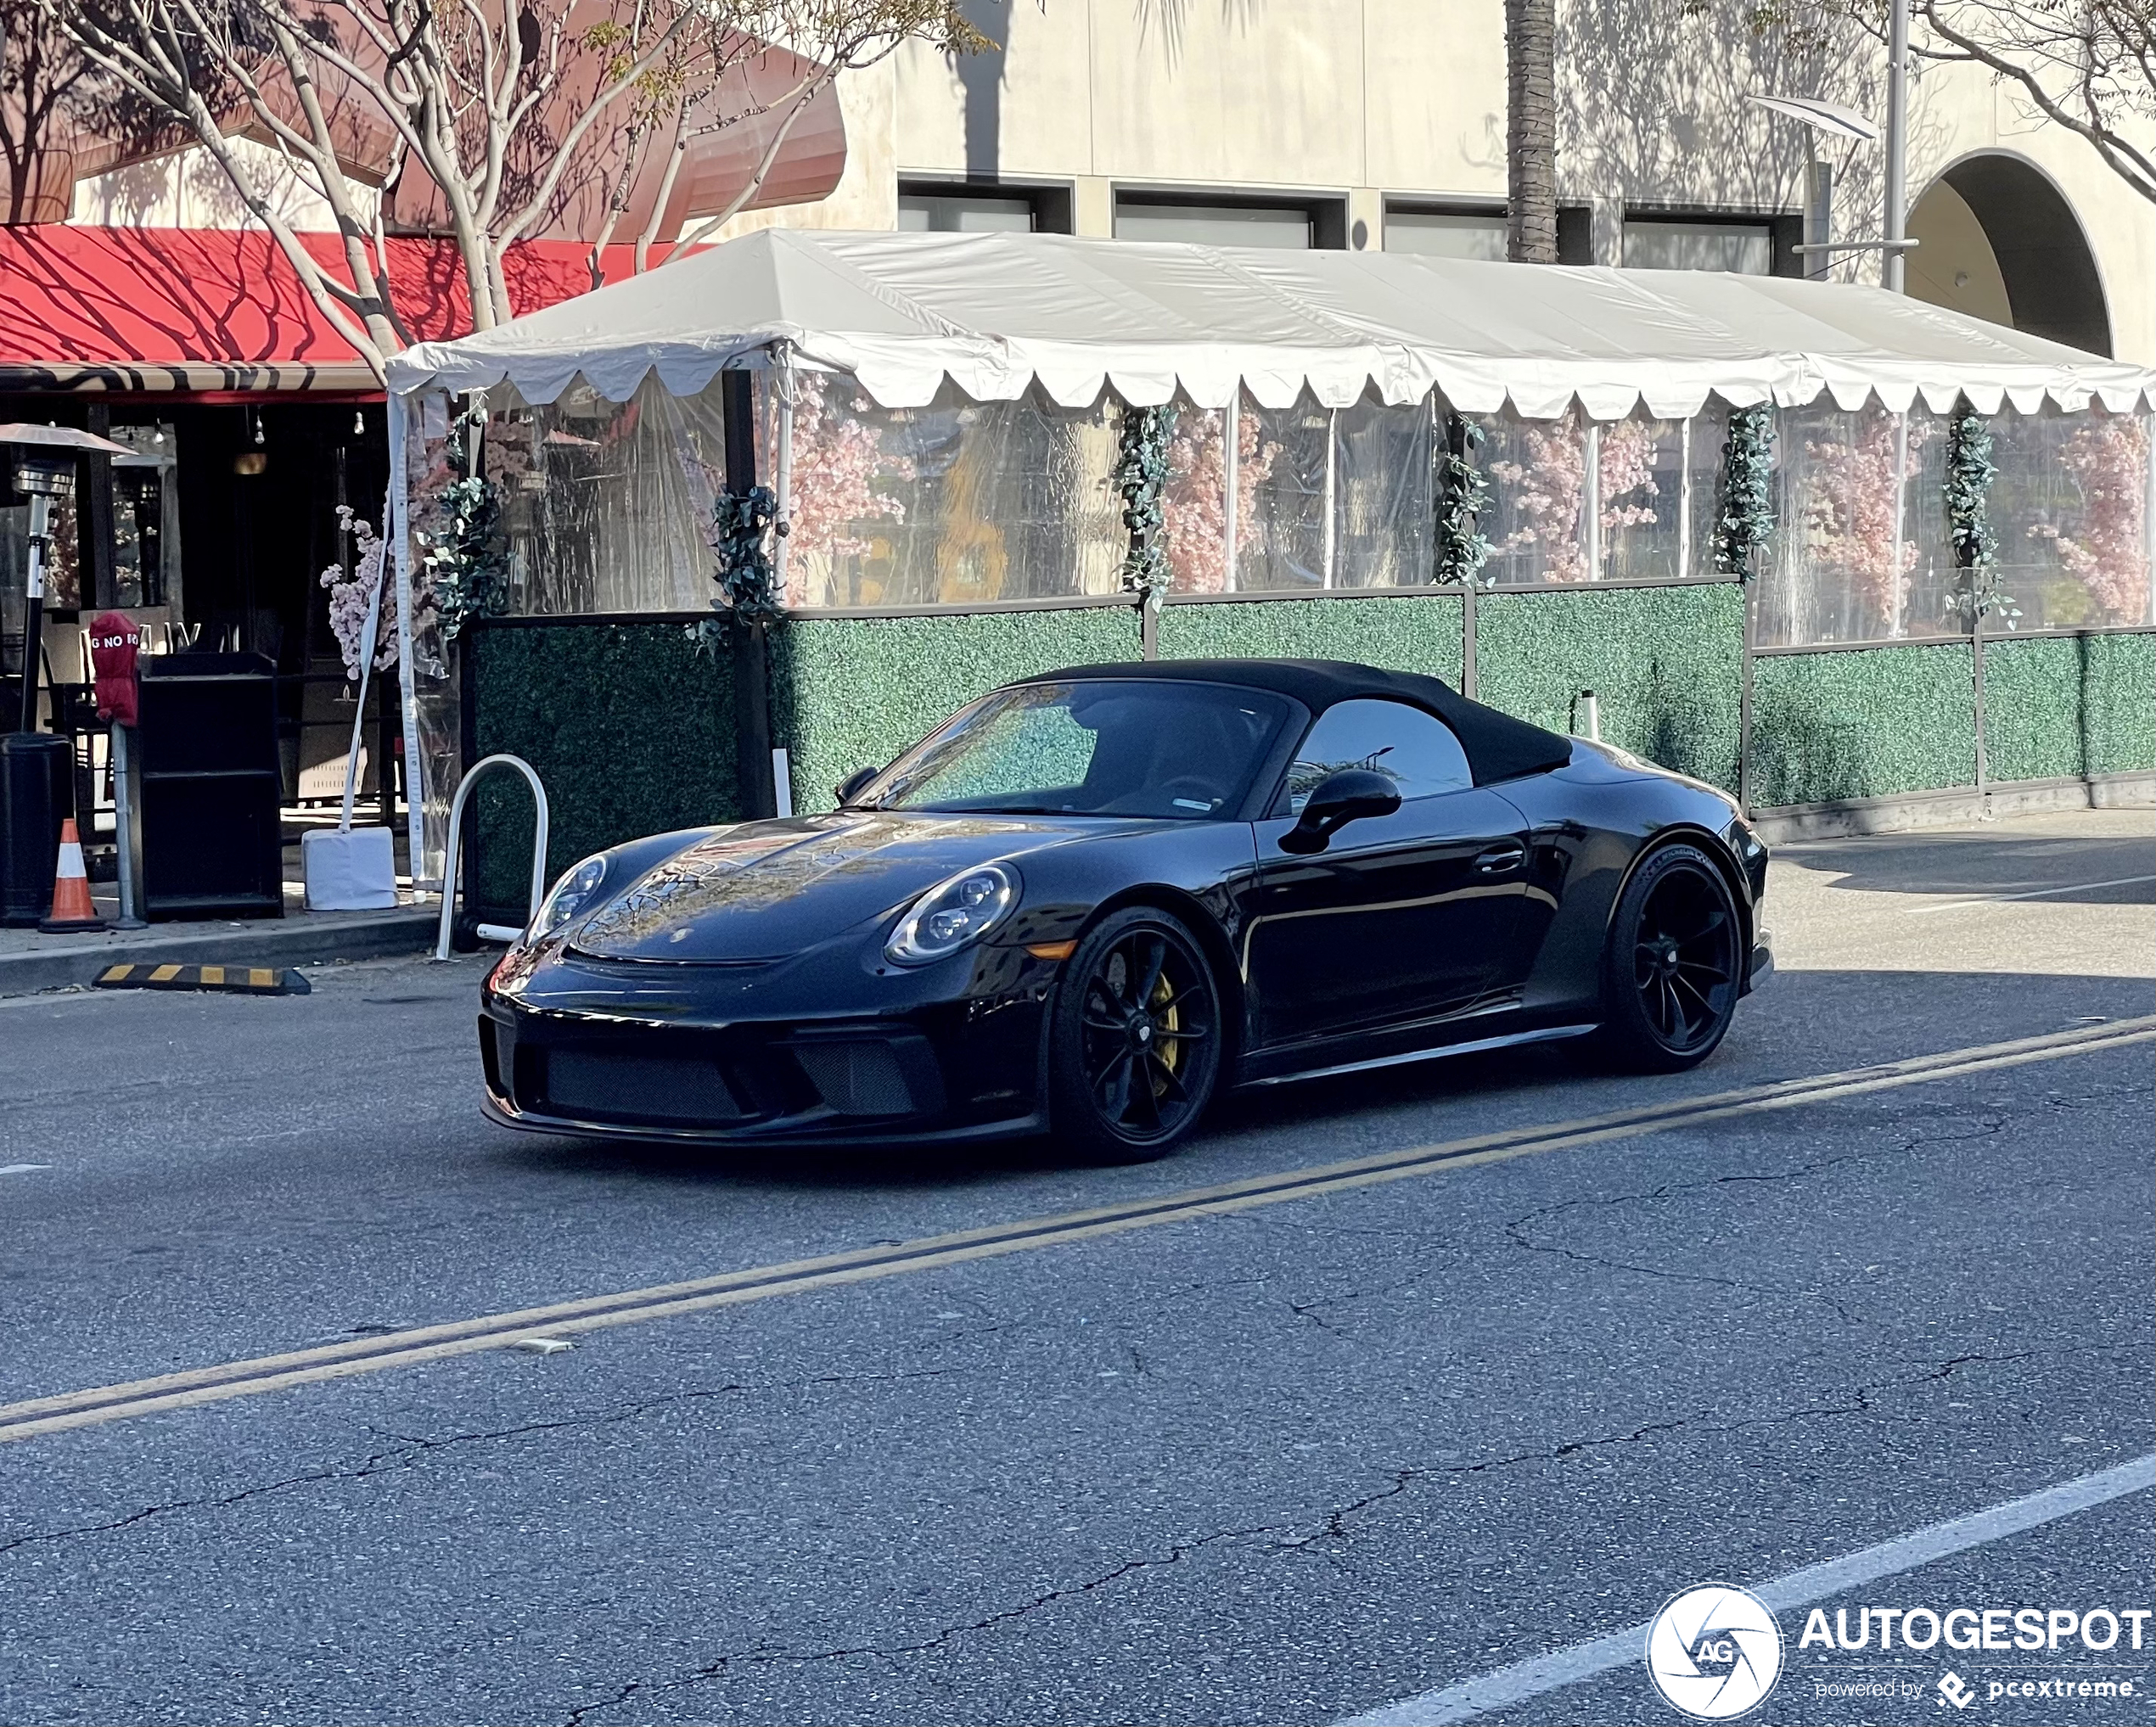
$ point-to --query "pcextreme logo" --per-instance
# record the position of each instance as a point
(1715, 1652)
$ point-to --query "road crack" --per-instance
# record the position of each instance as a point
(1331, 1531)
(410, 1448)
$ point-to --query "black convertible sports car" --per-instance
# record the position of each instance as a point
(1094, 899)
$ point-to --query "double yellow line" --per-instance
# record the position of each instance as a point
(414, 1348)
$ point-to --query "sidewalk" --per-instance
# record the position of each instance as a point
(31, 959)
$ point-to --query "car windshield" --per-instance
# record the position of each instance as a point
(1104, 747)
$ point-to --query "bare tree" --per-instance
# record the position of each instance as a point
(2088, 65)
(1530, 130)
(488, 118)
(44, 81)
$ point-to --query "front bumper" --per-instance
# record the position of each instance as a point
(963, 1071)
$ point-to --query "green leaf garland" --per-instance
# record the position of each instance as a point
(1462, 496)
(1970, 470)
(1745, 524)
(1140, 475)
(466, 563)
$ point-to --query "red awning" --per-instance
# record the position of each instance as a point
(117, 308)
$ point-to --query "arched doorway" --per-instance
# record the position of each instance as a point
(1998, 241)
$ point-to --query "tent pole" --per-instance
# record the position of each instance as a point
(1590, 497)
(1467, 639)
(755, 762)
(782, 479)
(2148, 514)
(1899, 622)
(1231, 480)
(1747, 655)
(415, 790)
(1684, 498)
(1332, 484)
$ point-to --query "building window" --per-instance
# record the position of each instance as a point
(954, 212)
(1296, 227)
(1745, 248)
(1434, 232)
(1446, 233)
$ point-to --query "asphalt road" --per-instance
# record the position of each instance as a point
(1293, 1462)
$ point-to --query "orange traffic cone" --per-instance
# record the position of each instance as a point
(72, 909)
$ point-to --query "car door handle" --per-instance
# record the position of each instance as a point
(1499, 859)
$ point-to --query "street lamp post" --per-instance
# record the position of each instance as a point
(1893, 231)
(1833, 120)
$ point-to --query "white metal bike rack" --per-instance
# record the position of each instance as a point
(490, 931)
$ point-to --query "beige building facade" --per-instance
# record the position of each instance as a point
(1380, 123)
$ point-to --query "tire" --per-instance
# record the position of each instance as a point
(1133, 1065)
(1671, 971)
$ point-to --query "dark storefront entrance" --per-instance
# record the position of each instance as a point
(213, 535)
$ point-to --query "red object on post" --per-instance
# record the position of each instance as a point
(114, 643)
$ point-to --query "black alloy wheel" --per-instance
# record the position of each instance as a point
(1671, 973)
(1135, 1050)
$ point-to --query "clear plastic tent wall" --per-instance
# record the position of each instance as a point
(607, 506)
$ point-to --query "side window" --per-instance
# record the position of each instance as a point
(1416, 750)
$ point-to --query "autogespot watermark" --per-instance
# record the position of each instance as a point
(2098, 1629)
(1716, 1652)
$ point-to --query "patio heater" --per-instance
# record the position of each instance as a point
(36, 781)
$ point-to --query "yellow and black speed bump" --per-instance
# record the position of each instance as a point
(233, 981)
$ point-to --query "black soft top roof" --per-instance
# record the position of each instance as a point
(1498, 746)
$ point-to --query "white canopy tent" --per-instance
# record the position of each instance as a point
(997, 314)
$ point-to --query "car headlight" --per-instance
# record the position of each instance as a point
(954, 914)
(572, 894)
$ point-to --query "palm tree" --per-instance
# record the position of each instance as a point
(1530, 130)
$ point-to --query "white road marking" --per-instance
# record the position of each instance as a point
(1584, 1660)
(2033, 893)
(21, 1169)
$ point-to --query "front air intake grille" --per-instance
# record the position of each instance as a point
(628, 1086)
(857, 1079)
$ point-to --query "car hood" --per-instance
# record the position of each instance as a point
(766, 890)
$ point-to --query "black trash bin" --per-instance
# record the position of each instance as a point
(212, 787)
(37, 794)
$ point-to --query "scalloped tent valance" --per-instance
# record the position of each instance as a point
(997, 314)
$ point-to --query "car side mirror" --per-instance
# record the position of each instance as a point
(855, 784)
(1345, 795)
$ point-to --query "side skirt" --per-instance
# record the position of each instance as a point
(1548, 1033)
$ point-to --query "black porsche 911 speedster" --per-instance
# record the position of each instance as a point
(1095, 900)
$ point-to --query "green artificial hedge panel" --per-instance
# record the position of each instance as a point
(631, 729)
(2118, 692)
(1399, 632)
(1866, 722)
(851, 693)
(2034, 711)
(1664, 663)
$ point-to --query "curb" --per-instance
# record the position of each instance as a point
(282, 942)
